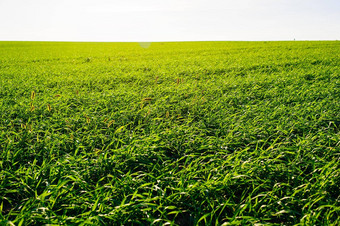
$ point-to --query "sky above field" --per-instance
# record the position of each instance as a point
(169, 20)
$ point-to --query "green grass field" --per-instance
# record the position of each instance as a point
(191, 133)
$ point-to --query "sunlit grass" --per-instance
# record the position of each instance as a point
(184, 133)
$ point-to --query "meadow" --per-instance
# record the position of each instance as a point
(180, 133)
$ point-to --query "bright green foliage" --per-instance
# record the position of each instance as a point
(196, 133)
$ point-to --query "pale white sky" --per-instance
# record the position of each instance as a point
(169, 20)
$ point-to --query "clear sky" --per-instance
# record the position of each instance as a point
(169, 20)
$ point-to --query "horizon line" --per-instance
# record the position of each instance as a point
(107, 41)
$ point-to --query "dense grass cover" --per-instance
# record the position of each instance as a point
(181, 133)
